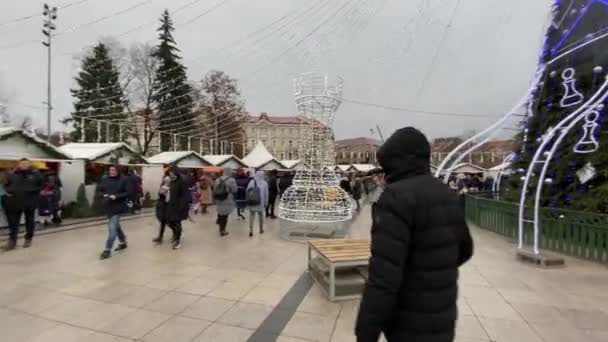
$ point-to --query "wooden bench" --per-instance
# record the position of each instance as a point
(338, 263)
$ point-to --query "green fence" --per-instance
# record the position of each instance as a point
(580, 234)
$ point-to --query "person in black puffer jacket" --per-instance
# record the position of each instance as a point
(419, 239)
(173, 206)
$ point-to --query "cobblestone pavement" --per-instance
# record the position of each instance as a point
(222, 289)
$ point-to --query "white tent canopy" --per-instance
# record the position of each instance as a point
(260, 158)
(225, 160)
(180, 159)
(101, 152)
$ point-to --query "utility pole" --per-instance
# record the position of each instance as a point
(50, 15)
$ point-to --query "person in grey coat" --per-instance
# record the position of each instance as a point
(259, 186)
(224, 190)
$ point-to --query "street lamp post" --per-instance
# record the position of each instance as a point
(50, 15)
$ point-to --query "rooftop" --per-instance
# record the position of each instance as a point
(172, 157)
(92, 151)
(358, 141)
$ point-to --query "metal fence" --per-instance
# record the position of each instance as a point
(576, 233)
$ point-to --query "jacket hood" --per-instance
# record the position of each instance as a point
(228, 172)
(259, 176)
(405, 154)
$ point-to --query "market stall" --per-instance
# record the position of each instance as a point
(260, 159)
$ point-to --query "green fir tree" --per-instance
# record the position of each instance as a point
(574, 26)
(171, 90)
(98, 97)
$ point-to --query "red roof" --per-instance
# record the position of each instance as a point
(357, 142)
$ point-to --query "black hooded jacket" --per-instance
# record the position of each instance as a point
(419, 239)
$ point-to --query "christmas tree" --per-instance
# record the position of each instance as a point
(171, 90)
(99, 98)
(575, 58)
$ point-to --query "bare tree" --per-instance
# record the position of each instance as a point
(220, 106)
(141, 107)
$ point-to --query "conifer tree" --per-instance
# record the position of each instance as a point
(567, 83)
(171, 90)
(99, 97)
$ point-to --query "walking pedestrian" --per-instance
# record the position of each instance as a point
(174, 205)
(161, 208)
(419, 239)
(357, 192)
(242, 181)
(273, 192)
(206, 190)
(21, 198)
(257, 200)
(224, 190)
(114, 190)
(284, 183)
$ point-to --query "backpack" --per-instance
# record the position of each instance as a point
(253, 197)
(220, 192)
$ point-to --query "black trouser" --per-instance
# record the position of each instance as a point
(222, 221)
(14, 217)
(176, 227)
(272, 197)
(161, 233)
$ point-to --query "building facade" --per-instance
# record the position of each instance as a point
(357, 151)
(283, 136)
(488, 155)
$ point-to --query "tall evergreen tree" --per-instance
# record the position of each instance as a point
(99, 96)
(171, 90)
(566, 85)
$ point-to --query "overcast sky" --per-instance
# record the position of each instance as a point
(465, 57)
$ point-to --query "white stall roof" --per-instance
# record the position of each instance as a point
(342, 168)
(259, 157)
(290, 164)
(221, 159)
(194, 159)
(468, 168)
(92, 151)
(500, 167)
(43, 149)
(363, 167)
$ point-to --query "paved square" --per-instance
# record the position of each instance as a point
(225, 289)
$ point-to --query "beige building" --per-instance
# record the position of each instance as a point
(357, 151)
(283, 136)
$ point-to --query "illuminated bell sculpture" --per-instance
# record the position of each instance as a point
(316, 196)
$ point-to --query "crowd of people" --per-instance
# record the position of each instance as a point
(419, 237)
(25, 192)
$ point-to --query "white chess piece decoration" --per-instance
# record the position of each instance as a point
(572, 96)
(588, 142)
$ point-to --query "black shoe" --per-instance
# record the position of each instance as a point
(10, 245)
(224, 233)
(177, 244)
(157, 240)
(250, 233)
(27, 243)
(261, 231)
(105, 255)
(121, 246)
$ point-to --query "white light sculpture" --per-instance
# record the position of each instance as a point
(315, 195)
